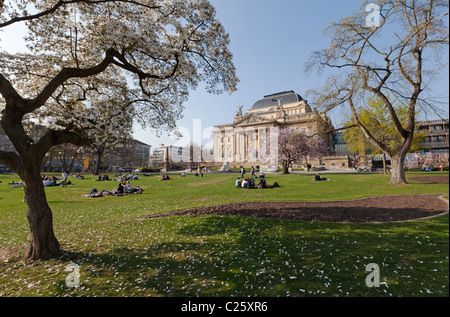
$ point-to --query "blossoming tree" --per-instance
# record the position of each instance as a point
(293, 145)
(90, 65)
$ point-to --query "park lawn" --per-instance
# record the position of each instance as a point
(120, 255)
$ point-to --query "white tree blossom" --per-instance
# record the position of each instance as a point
(94, 67)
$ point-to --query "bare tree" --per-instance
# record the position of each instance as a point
(66, 154)
(394, 58)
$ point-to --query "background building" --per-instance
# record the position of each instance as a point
(436, 141)
(244, 142)
(436, 137)
(132, 155)
(171, 157)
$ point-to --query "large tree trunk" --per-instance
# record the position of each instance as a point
(99, 154)
(398, 176)
(398, 171)
(285, 167)
(43, 243)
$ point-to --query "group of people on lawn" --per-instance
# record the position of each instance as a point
(53, 180)
(249, 182)
(119, 177)
(165, 177)
(124, 188)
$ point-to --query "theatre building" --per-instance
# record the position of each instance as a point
(249, 140)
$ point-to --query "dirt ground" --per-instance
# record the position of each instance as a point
(366, 210)
(431, 179)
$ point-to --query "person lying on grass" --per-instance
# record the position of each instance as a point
(122, 190)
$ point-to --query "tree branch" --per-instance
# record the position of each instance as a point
(56, 137)
(62, 3)
(7, 91)
(63, 76)
(366, 132)
(11, 160)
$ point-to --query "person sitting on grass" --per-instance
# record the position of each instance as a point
(248, 183)
(103, 177)
(238, 182)
(128, 187)
(317, 178)
(262, 183)
(165, 177)
(119, 191)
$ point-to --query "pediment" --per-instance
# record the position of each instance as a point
(254, 119)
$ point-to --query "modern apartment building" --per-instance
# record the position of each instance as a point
(436, 138)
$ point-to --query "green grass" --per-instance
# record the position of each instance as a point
(119, 255)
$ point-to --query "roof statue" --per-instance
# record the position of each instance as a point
(239, 112)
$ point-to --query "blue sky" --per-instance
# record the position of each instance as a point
(271, 41)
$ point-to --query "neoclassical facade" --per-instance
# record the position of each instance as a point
(249, 140)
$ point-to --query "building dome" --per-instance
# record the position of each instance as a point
(285, 97)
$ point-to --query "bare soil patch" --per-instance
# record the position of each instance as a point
(431, 179)
(367, 210)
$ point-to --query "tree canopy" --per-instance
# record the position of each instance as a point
(376, 118)
(91, 69)
(397, 57)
